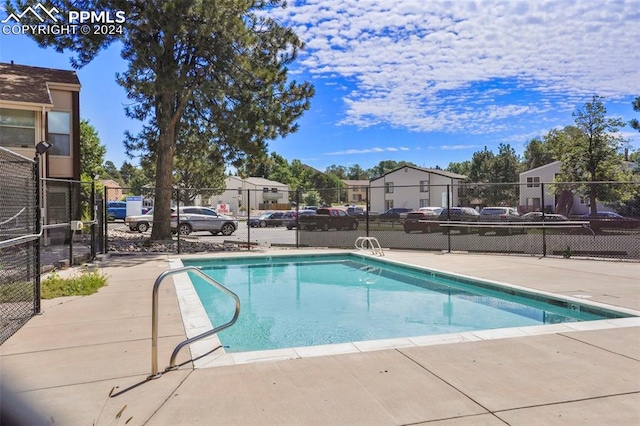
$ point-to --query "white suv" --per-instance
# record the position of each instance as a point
(194, 218)
(499, 213)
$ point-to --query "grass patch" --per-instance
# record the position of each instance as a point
(77, 285)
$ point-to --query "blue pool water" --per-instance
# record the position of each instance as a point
(298, 301)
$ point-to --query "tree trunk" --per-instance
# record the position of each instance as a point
(593, 194)
(164, 173)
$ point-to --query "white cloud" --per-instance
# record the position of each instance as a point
(468, 66)
(367, 151)
(459, 147)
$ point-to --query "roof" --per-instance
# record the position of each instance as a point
(355, 182)
(434, 171)
(542, 167)
(112, 183)
(22, 83)
(259, 181)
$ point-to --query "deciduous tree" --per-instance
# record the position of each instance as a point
(537, 153)
(92, 152)
(592, 151)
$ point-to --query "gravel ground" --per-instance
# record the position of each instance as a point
(127, 242)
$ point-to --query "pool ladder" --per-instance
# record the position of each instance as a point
(154, 320)
(369, 243)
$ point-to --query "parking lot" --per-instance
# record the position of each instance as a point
(272, 235)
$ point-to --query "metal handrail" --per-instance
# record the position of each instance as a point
(154, 320)
(374, 245)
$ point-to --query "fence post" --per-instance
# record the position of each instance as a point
(448, 218)
(105, 218)
(37, 242)
(368, 204)
(93, 217)
(177, 217)
(71, 231)
(544, 230)
(297, 218)
(248, 218)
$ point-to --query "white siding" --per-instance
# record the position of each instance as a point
(547, 174)
(406, 189)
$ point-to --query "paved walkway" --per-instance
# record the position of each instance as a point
(69, 360)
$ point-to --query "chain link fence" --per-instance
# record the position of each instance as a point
(71, 226)
(19, 212)
(538, 219)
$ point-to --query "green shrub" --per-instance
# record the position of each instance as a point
(77, 285)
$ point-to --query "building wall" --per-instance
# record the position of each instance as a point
(407, 190)
(241, 193)
(356, 193)
(62, 166)
(531, 193)
(55, 166)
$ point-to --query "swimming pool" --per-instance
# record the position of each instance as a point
(311, 300)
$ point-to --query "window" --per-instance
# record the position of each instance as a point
(239, 191)
(275, 190)
(265, 189)
(59, 132)
(388, 188)
(388, 204)
(424, 202)
(17, 128)
(424, 186)
(533, 182)
(584, 201)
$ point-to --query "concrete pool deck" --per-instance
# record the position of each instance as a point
(67, 361)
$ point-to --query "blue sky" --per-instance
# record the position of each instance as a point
(424, 81)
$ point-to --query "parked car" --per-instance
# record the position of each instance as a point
(433, 211)
(268, 219)
(421, 220)
(358, 212)
(141, 223)
(499, 213)
(460, 214)
(394, 213)
(605, 222)
(328, 218)
(117, 210)
(537, 216)
(602, 215)
(291, 221)
(194, 218)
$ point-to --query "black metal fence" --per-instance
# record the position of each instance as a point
(559, 223)
(71, 222)
(19, 227)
